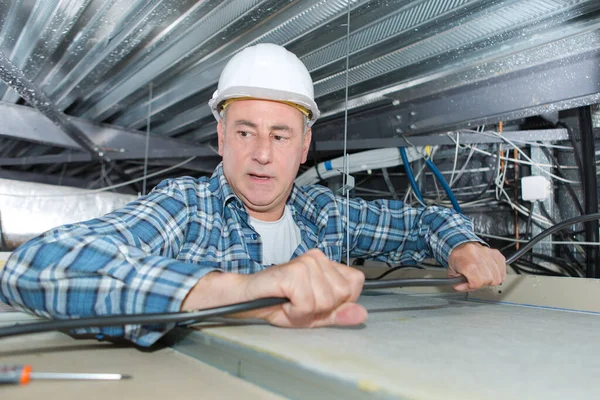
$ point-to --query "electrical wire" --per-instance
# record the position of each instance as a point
(388, 182)
(444, 184)
(409, 174)
(569, 188)
(393, 269)
(148, 123)
(463, 169)
(491, 180)
(455, 157)
(513, 240)
(197, 316)
(576, 152)
(409, 191)
(529, 162)
(571, 221)
(346, 163)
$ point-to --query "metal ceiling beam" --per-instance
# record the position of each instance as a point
(26, 123)
(182, 121)
(473, 97)
(448, 139)
(155, 153)
(14, 77)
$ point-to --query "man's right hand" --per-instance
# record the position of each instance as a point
(321, 292)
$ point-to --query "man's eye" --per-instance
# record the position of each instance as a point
(279, 138)
(244, 133)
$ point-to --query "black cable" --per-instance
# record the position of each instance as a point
(490, 181)
(528, 231)
(571, 271)
(546, 213)
(393, 269)
(3, 245)
(575, 148)
(562, 174)
(532, 268)
(391, 283)
(315, 160)
(571, 221)
(565, 236)
(196, 316)
(590, 189)
(154, 318)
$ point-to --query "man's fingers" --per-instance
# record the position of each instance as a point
(481, 266)
(354, 278)
(346, 314)
(317, 287)
(501, 267)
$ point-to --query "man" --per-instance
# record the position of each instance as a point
(245, 233)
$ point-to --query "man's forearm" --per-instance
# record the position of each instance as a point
(216, 289)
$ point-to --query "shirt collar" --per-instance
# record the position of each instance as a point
(302, 204)
(220, 187)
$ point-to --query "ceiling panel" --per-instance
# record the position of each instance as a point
(128, 62)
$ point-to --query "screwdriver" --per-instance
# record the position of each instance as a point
(23, 374)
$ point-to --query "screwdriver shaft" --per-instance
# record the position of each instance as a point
(78, 376)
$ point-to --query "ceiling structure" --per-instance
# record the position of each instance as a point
(86, 80)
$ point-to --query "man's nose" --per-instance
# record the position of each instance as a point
(263, 150)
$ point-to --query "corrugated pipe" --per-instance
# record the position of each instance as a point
(29, 209)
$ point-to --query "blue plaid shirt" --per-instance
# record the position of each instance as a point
(145, 257)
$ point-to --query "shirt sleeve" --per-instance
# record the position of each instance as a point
(393, 232)
(122, 263)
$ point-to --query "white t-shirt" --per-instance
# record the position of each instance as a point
(279, 238)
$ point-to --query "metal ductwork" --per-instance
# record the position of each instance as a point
(29, 209)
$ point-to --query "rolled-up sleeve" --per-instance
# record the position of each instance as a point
(122, 263)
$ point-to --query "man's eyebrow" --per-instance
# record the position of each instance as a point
(243, 122)
(280, 128)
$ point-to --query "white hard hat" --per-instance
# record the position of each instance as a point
(266, 71)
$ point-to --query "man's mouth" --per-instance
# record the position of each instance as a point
(260, 176)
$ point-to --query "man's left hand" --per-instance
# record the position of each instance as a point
(481, 266)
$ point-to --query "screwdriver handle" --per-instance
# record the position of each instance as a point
(15, 374)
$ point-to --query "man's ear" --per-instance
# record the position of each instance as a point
(306, 145)
(220, 135)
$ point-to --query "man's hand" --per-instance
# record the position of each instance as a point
(321, 292)
(481, 266)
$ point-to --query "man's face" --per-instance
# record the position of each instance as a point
(262, 145)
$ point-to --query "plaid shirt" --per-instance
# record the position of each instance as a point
(145, 257)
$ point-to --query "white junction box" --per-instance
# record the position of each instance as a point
(534, 188)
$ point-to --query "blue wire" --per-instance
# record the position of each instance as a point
(444, 184)
(410, 175)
